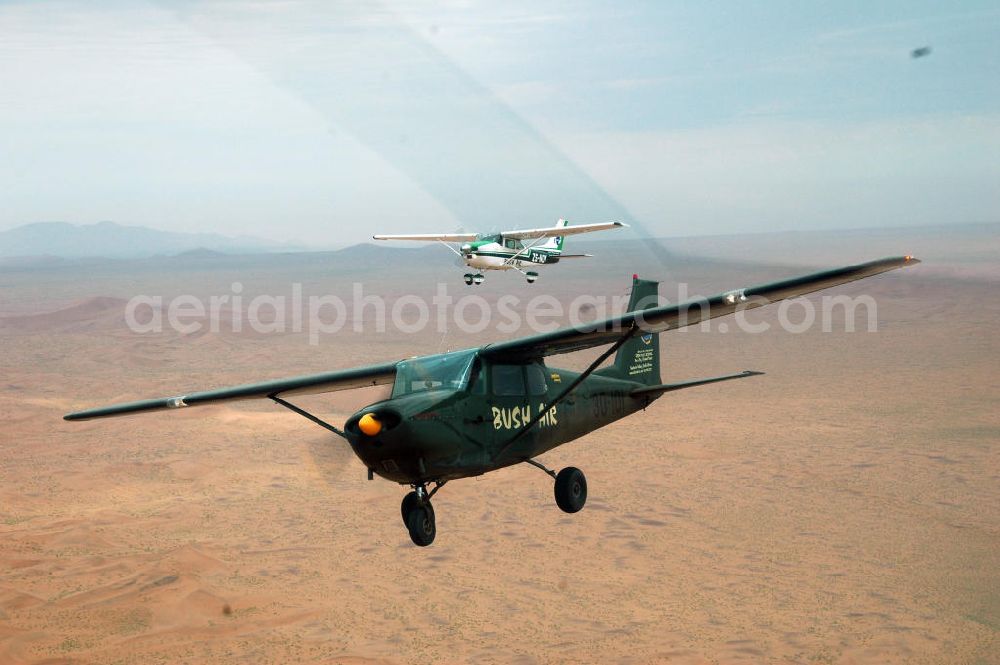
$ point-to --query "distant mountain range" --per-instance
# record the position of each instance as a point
(51, 243)
(111, 240)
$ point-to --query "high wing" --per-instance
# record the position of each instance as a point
(656, 319)
(430, 237)
(670, 317)
(358, 377)
(526, 234)
(554, 231)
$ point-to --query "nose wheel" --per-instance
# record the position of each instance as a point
(471, 278)
(418, 515)
(420, 524)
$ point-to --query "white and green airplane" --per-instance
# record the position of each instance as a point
(509, 250)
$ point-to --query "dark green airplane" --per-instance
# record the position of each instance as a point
(465, 413)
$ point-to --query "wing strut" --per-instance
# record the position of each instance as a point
(572, 386)
(306, 414)
(451, 248)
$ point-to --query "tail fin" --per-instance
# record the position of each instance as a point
(639, 358)
(556, 242)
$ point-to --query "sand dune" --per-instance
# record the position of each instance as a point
(844, 508)
(93, 314)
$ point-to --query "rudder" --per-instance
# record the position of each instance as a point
(556, 242)
(638, 359)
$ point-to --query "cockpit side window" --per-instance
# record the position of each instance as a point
(508, 380)
(511, 243)
(536, 380)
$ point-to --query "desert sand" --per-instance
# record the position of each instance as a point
(843, 508)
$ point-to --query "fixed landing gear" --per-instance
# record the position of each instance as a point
(476, 278)
(531, 277)
(418, 515)
(570, 487)
(420, 524)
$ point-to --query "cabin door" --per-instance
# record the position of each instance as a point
(517, 393)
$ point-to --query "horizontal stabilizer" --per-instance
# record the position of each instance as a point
(576, 256)
(668, 387)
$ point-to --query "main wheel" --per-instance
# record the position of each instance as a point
(571, 489)
(420, 524)
(532, 276)
(478, 278)
(468, 279)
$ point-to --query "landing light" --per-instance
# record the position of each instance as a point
(369, 424)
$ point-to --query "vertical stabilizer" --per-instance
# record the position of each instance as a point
(556, 242)
(639, 358)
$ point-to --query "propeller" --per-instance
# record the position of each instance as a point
(330, 455)
(441, 109)
(332, 458)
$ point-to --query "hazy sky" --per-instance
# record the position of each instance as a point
(324, 122)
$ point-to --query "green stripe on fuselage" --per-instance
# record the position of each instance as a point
(528, 256)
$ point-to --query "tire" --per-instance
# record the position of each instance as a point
(420, 524)
(410, 501)
(571, 489)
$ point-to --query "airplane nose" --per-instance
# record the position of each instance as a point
(372, 425)
(369, 424)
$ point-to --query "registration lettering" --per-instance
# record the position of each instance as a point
(608, 405)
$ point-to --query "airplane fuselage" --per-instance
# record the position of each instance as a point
(494, 256)
(439, 435)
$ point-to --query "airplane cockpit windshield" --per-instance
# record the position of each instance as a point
(446, 371)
